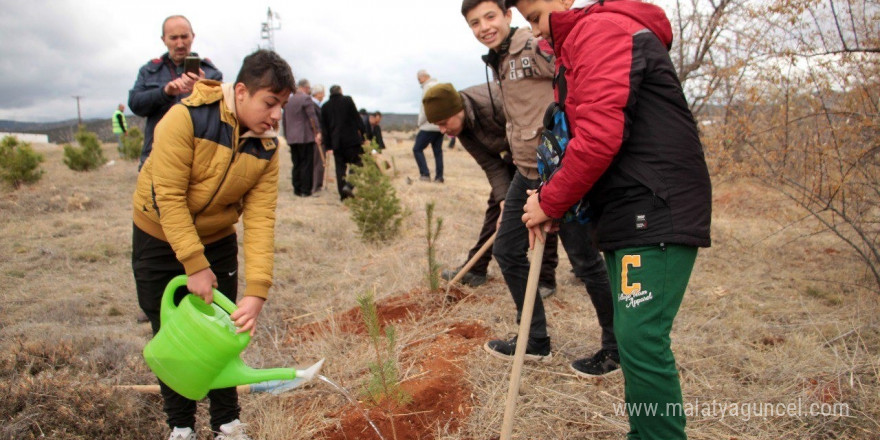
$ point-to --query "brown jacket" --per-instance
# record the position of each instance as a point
(524, 67)
(484, 138)
(300, 121)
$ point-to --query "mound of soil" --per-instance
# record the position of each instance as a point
(392, 310)
(410, 306)
(441, 398)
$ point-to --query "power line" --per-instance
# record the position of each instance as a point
(272, 24)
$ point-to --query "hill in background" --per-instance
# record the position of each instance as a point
(62, 131)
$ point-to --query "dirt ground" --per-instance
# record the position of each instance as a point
(779, 321)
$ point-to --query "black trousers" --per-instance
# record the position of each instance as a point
(318, 174)
(154, 265)
(510, 251)
(342, 157)
(303, 158)
(490, 220)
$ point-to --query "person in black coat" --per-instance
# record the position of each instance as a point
(374, 131)
(343, 132)
(366, 117)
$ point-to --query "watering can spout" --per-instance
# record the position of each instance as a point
(237, 373)
(309, 373)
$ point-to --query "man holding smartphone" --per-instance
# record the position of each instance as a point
(164, 81)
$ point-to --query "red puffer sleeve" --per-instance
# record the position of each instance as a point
(599, 60)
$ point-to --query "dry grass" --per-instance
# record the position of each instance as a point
(775, 313)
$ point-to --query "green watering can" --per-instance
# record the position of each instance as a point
(197, 349)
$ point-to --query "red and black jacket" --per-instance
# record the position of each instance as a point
(634, 151)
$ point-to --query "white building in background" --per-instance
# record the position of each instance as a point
(28, 137)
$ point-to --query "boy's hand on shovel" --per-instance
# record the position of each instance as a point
(535, 219)
(202, 284)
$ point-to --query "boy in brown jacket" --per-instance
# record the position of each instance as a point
(472, 116)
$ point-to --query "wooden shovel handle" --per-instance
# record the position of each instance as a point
(522, 338)
(154, 389)
(472, 261)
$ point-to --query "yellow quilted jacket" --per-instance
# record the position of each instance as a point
(202, 175)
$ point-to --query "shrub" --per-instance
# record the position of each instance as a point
(132, 143)
(88, 155)
(375, 209)
(19, 163)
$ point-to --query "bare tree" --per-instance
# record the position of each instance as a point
(788, 91)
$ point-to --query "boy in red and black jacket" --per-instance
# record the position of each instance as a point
(636, 155)
(524, 67)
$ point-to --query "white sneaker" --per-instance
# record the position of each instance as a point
(182, 434)
(234, 430)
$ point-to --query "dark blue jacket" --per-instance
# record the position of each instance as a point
(148, 99)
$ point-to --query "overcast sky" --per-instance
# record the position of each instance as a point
(58, 49)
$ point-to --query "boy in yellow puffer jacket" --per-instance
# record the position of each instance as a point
(214, 160)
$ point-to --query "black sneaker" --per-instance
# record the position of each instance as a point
(602, 363)
(469, 278)
(506, 349)
(347, 191)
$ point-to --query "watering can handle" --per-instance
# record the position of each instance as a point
(180, 281)
(224, 302)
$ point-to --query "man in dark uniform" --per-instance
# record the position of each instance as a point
(162, 82)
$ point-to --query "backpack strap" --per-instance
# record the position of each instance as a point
(560, 84)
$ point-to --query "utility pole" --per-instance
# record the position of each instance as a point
(78, 113)
(269, 27)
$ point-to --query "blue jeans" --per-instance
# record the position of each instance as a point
(510, 251)
(435, 138)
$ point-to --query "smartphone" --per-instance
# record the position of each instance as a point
(191, 65)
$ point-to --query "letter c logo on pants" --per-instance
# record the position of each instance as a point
(625, 263)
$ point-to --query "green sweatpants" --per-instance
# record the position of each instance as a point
(648, 284)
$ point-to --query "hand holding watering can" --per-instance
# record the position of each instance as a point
(198, 347)
(203, 283)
